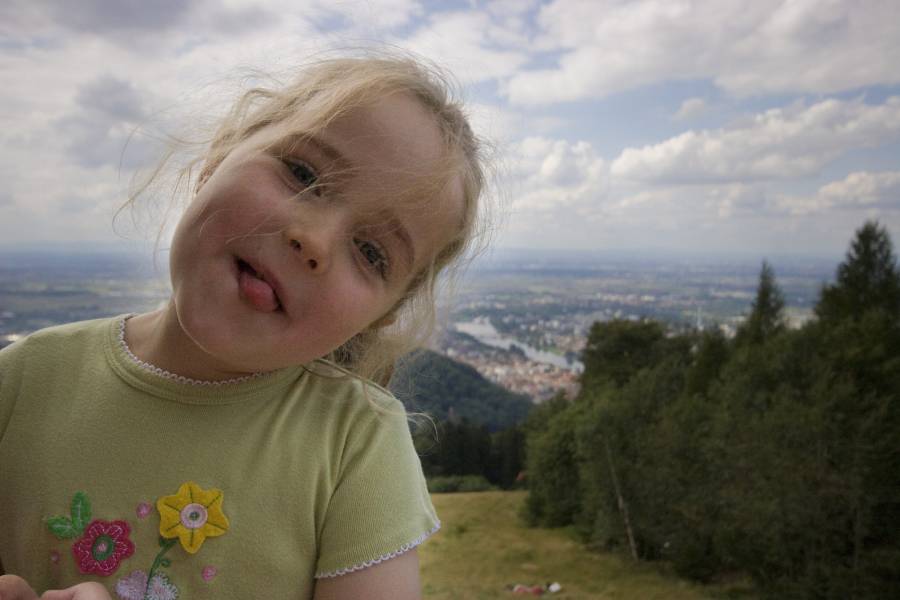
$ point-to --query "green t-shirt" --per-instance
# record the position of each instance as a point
(112, 473)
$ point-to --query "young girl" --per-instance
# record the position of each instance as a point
(232, 444)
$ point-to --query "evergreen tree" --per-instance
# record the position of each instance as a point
(454, 448)
(616, 350)
(710, 355)
(552, 472)
(867, 279)
(767, 313)
(629, 486)
(859, 323)
(507, 457)
(554, 497)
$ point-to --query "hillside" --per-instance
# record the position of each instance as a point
(432, 383)
(482, 548)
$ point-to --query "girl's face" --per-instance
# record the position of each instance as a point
(263, 278)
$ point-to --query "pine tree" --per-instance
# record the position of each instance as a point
(710, 355)
(867, 279)
(859, 327)
(767, 313)
(617, 350)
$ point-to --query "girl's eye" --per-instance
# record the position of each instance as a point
(373, 255)
(303, 173)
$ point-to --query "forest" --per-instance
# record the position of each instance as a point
(472, 437)
(773, 455)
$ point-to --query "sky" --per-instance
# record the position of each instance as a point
(706, 127)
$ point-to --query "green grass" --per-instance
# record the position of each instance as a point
(483, 549)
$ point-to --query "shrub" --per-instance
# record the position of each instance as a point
(459, 483)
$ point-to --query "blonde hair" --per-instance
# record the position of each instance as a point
(322, 92)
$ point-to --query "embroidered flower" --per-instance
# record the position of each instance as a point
(192, 515)
(134, 587)
(208, 573)
(102, 547)
(161, 588)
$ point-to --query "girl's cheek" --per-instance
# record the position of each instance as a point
(232, 223)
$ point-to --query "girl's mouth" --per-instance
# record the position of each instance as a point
(255, 289)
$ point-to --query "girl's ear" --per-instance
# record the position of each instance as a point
(205, 174)
(384, 321)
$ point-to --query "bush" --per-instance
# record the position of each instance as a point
(459, 483)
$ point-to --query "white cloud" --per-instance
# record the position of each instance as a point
(691, 206)
(865, 188)
(103, 126)
(358, 19)
(492, 122)
(780, 143)
(61, 202)
(98, 16)
(128, 20)
(754, 217)
(501, 126)
(736, 218)
(690, 109)
(746, 48)
(471, 44)
(546, 175)
(859, 190)
(730, 218)
(515, 8)
(552, 193)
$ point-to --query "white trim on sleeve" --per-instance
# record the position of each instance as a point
(403, 549)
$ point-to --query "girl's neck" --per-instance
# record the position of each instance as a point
(157, 338)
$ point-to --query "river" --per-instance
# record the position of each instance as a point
(482, 330)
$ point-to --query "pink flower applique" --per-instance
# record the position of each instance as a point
(208, 573)
(134, 587)
(102, 547)
(143, 509)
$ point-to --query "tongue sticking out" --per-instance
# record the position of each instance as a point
(257, 292)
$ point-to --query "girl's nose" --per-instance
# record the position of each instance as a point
(312, 246)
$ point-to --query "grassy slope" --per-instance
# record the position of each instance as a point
(482, 548)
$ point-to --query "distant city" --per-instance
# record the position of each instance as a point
(519, 317)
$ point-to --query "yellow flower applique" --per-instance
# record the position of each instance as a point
(192, 515)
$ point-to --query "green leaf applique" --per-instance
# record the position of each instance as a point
(62, 527)
(66, 528)
(81, 511)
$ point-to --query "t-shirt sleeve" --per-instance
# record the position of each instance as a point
(380, 507)
(10, 371)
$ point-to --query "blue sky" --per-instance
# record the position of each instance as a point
(722, 126)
